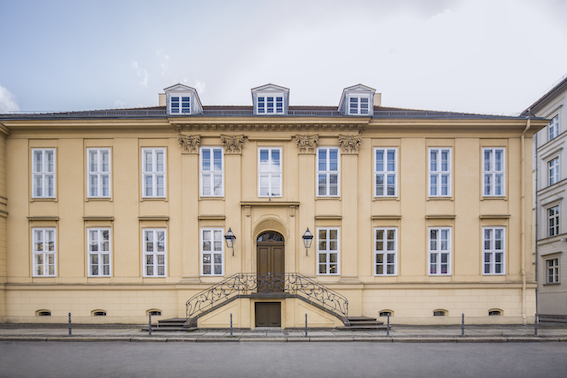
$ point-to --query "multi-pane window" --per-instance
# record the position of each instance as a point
(180, 104)
(553, 127)
(98, 166)
(493, 170)
(553, 165)
(493, 250)
(328, 250)
(99, 252)
(552, 267)
(439, 251)
(270, 104)
(212, 171)
(153, 172)
(358, 105)
(553, 220)
(386, 251)
(43, 173)
(155, 252)
(440, 172)
(212, 251)
(269, 172)
(385, 172)
(328, 171)
(44, 252)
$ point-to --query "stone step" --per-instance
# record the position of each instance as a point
(166, 329)
(365, 323)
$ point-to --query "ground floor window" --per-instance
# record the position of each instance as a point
(386, 251)
(439, 251)
(328, 250)
(44, 252)
(212, 250)
(99, 252)
(552, 266)
(154, 252)
(493, 250)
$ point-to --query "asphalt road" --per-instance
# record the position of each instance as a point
(278, 359)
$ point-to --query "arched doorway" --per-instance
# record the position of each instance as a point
(270, 264)
(270, 256)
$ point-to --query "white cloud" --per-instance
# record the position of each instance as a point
(7, 101)
(200, 87)
(164, 62)
(119, 104)
(142, 73)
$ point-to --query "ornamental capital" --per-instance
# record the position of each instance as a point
(306, 143)
(189, 143)
(232, 143)
(350, 144)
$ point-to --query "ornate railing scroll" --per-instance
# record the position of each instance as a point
(245, 285)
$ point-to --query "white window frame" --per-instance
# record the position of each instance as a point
(39, 253)
(327, 173)
(327, 251)
(154, 253)
(98, 173)
(183, 102)
(490, 173)
(99, 249)
(552, 271)
(553, 169)
(42, 175)
(270, 104)
(436, 250)
(386, 172)
(357, 108)
(553, 127)
(208, 175)
(271, 173)
(389, 248)
(438, 173)
(491, 250)
(154, 173)
(553, 220)
(211, 254)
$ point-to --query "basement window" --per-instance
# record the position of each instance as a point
(98, 313)
(386, 313)
(495, 312)
(43, 313)
(440, 313)
(154, 312)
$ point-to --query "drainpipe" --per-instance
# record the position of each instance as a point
(523, 220)
(536, 223)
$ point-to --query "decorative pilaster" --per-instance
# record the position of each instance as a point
(232, 143)
(350, 144)
(189, 143)
(307, 143)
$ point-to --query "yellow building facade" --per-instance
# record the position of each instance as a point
(112, 215)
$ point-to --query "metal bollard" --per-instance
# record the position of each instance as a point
(231, 325)
(305, 325)
(70, 332)
(150, 324)
(462, 325)
(388, 324)
(535, 325)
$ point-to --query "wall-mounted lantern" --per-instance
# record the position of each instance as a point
(307, 239)
(230, 238)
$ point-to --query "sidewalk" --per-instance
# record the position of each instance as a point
(398, 333)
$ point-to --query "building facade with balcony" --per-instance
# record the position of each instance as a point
(113, 215)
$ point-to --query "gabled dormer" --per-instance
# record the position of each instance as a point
(357, 100)
(270, 99)
(182, 100)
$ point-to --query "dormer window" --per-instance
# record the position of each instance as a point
(182, 100)
(358, 105)
(357, 100)
(270, 99)
(180, 104)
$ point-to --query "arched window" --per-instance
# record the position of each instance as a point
(440, 312)
(270, 236)
(385, 313)
(43, 313)
(495, 312)
(153, 312)
(98, 313)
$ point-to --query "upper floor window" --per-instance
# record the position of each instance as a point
(180, 104)
(328, 172)
(98, 167)
(212, 251)
(553, 166)
(270, 104)
(99, 252)
(328, 250)
(269, 172)
(553, 220)
(359, 105)
(553, 127)
(439, 251)
(493, 171)
(44, 252)
(386, 251)
(552, 267)
(211, 171)
(155, 252)
(153, 172)
(43, 172)
(493, 250)
(440, 172)
(386, 167)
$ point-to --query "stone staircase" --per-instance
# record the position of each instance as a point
(169, 325)
(363, 323)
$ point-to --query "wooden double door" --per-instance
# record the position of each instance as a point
(270, 265)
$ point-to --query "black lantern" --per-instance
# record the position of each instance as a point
(307, 239)
(230, 238)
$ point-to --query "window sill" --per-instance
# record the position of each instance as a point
(392, 198)
(99, 199)
(211, 198)
(43, 199)
(327, 198)
(440, 198)
(491, 198)
(552, 284)
(153, 199)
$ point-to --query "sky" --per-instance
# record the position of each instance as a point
(491, 57)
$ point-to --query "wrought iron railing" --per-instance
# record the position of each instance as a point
(247, 285)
